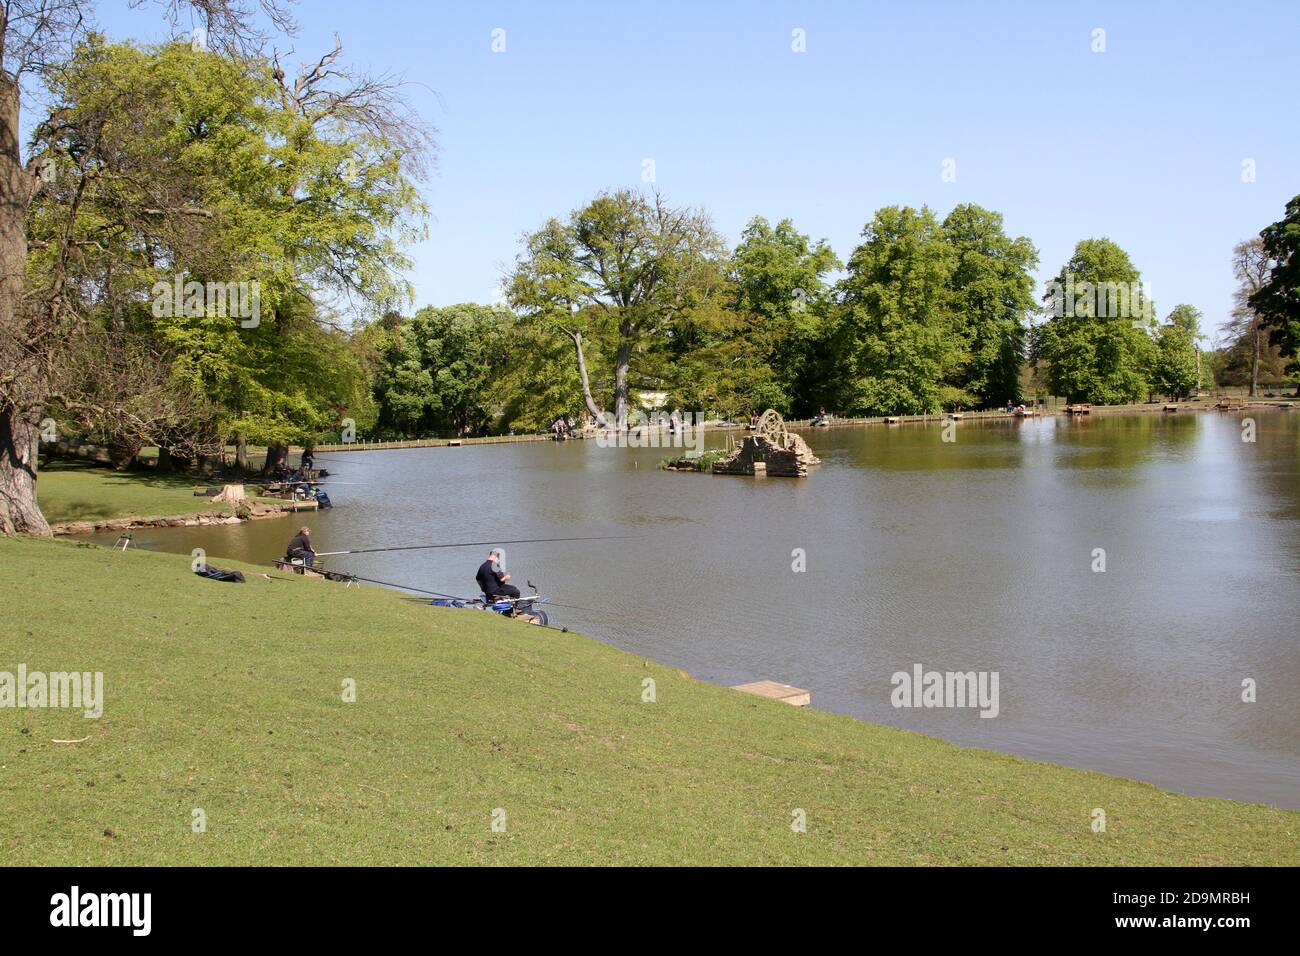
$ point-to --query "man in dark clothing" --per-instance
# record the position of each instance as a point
(492, 580)
(300, 547)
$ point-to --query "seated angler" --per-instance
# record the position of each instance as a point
(300, 548)
(492, 581)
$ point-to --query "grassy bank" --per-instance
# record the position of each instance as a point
(79, 491)
(82, 491)
(227, 698)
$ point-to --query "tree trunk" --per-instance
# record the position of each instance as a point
(20, 411)
(622, 361)
(596, 411)
(1254, 361)
(241, 452)
(121, 455)
(19, 445)
(274, 453)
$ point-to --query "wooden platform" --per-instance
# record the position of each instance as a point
(774, 691)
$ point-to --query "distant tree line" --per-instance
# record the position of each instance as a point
(205, 252)
(629, 296)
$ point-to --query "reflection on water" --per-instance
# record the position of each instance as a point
(974, 555)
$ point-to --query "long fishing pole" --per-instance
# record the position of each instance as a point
(321, 481)
(474, 544)
(347, 461)
(452, 597)
(403, 587)
(407, 587)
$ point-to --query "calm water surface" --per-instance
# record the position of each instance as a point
(971, 555)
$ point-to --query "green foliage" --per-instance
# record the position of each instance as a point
(439, 369)
(703, 462)
(631, 272)
(993, 296)
(1173, 371)
(781, 292)
(1095, 343)
(1278, 302)
(899, 332)
(205, 172)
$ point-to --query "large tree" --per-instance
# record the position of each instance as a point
(898, 333)
(181, 166)
(1175, 370)
(993, 294)
(1095, 341)
(1278, 300)
(629, 270)
(35, 36)
(1250, 267)
(439, 370)
(782, 295)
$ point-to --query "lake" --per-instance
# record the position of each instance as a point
(971, 555)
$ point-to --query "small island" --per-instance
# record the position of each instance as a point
(771, 450)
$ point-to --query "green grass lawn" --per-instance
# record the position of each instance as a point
(78, 491)
(227, 698)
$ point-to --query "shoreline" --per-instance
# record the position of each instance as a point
(261, 510)
(197, 519)
(996, 414)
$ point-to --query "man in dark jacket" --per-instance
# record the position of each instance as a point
(492, 581)
(300, 547)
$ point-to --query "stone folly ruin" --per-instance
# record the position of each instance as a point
(771, 450)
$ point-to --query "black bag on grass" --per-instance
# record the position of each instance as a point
(216, 574)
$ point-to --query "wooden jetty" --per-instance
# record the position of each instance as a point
(795, 696)
(1079, 408)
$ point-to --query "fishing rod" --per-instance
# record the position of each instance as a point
(318, 481)
(425, 591)
(347, 461)
(450, 597)
(402, 587)
(474, 544)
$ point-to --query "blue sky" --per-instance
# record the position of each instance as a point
(1143, 143)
